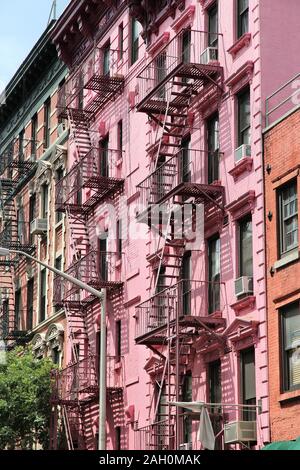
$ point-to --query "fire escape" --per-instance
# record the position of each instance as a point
(17, 167)
(170, 321)
(93, 179)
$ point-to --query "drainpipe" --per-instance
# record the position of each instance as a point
(102, 376)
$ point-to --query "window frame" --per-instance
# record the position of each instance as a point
(134, 42)
(47, 123)
(284, 367)
(43, 296)
(210, 293)
(241, 131)
(245, 219)
(239, 19)
(282, 251)
(121, 40)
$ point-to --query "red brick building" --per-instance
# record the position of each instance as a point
(282, 186)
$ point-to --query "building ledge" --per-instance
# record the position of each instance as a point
(206, 3)
(289, 396)
(184, 20)
(158, 44)
(283, 262)
(243, 304)
(241, 77)
(242, 42)
(245, 165)
(242, 205)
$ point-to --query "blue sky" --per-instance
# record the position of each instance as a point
(21, 24)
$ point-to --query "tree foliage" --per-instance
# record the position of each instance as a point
(25, 389)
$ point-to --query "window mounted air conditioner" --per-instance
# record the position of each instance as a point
(242, 152)
(240, 431)
(209, 55)
(243, 285)
(186, 446)
(38, 226)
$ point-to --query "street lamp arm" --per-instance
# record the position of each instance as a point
(67, 277)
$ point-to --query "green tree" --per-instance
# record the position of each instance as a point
(25, 389)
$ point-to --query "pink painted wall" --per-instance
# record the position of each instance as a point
(268, 41)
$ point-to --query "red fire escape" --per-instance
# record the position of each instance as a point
(183, 73)
(17, 167)
(92, 180)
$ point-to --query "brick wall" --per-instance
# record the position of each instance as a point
(282, 153)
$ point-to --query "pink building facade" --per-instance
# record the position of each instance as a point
(164, 106)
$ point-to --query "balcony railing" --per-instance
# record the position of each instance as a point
(182, 175)
(12, 324)
(16, 235)
(92, 85)
(189, 55)
(82, 378)
(78, 378)
(97, 269)
(157, 436)
(284, 100)
(188, 300)
(94, 178)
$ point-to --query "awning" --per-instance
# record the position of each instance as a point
(283, 445)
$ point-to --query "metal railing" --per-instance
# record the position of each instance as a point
(83, 378)
(187, 166)
(156, 436)
(16, 234)
(97, 269)
(77, 378)
(12, 324)
(97, 170)
(187, 47)
(283, 100)
(186, 298)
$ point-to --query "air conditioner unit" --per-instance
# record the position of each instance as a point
(61, 129)
(240, 431)
(242, 152)
(186, 446)
(243, 285)
(38, 226)
(209, 55)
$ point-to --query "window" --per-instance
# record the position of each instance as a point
(186, 46)
(244, 117)
(32, 212)
(47, 123)
(121, 41)
(119, 238)
(290, 346)
(43, 278)
(30, 297)
(59, 177)
(213, 148)
(245, 247)
(45, 201)
(242, 17)
(55, 355)
(160, 74)
(187, 395)
(214, 274)
(106, 59)
(185, 162)
(247, 383)
(103, 157)
(103, 257)
(58, 265)
(18, 310)
(118, 343)
(288, 218)
(34, 126)
(22, 227)
(135, 33)
(118, 438)
(213, 26)
(214, 382)
(186, 283)
(120, 136)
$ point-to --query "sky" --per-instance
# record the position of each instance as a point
(21, 24)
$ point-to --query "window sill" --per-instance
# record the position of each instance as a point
(245, 165)
(283, 262)
(289, 396)
(241, 43)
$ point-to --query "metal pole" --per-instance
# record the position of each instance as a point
(102, 377)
